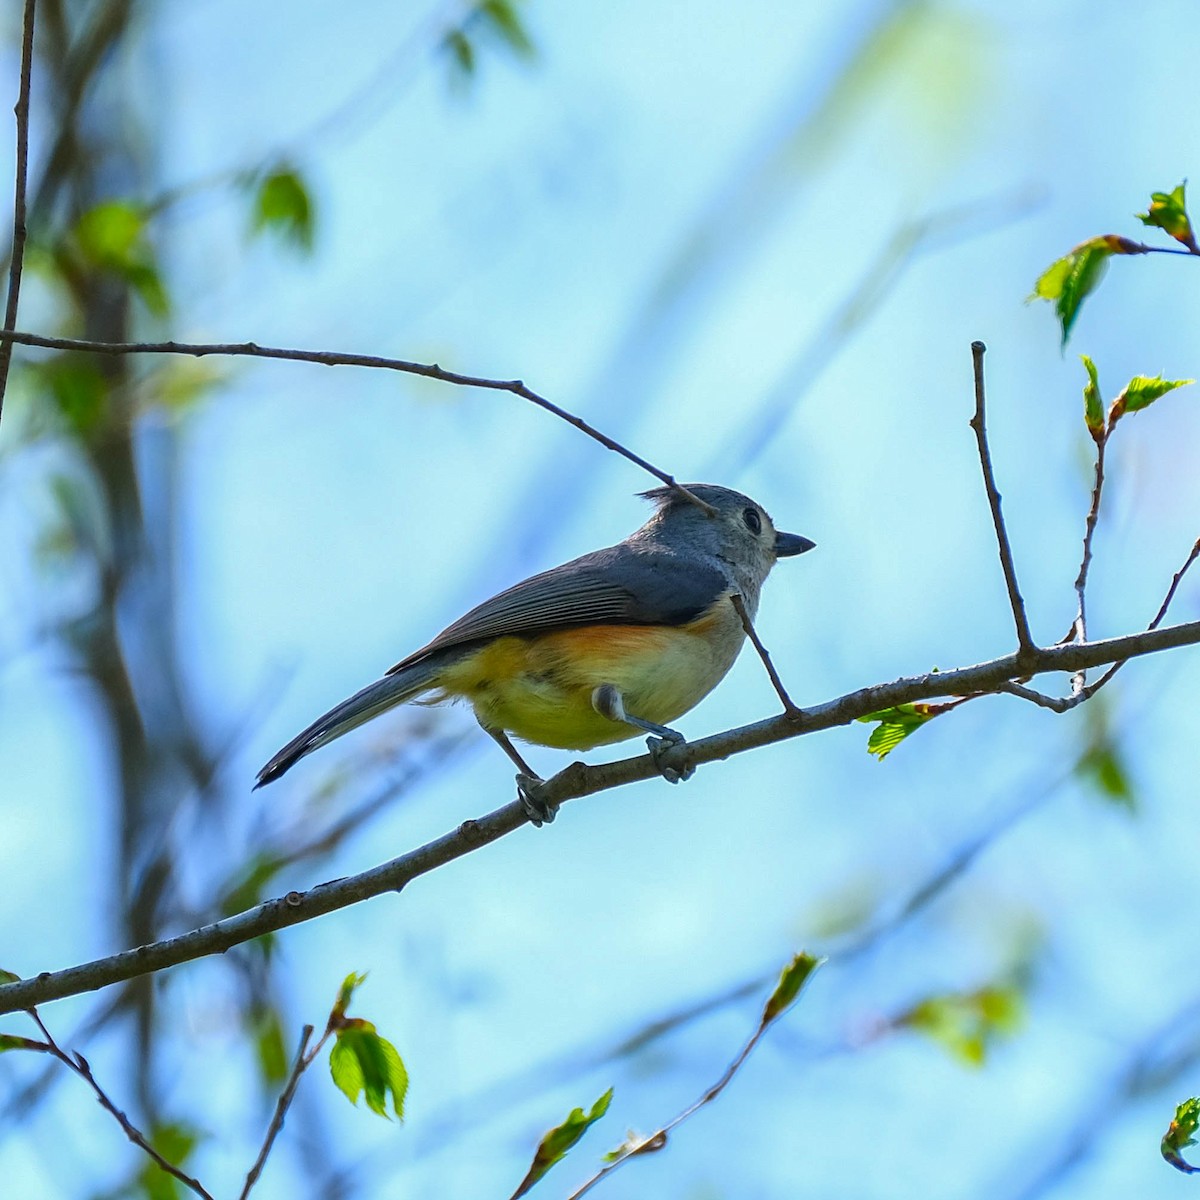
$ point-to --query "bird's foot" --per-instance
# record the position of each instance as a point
(540, 812)
(658, 746)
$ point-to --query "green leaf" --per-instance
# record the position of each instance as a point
(10, 1041)
(363, 1063)
(247, 891)
(497, 20)
(1069, 280)
(349, 985)
(1101, 762)
(502, 18)
(112, 237)
(967, 1023)
(79, 391)
(178, 386)
(147, 283)
(556, 1142)
(1093, 407)
(795, 975)
(1142, 391)
(1181, 1134)
(462, 54)
(895, 724)
(1103, 767)
(283, 206)
(267, 1030)
(1168, 211)
(175, 1142)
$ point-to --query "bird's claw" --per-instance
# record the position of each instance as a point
(658, 746)
(540, 812)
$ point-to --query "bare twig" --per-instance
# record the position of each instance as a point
(776, 682)
(658, 1139)
(979, 425)
(331, 358)
(467, 1114)
(1090, 691)
(1079, 628)
(1079, 693)
(77, 1063)
(302, 1063)
(17, 261)
(576, 781)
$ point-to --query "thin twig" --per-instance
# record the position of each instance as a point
(17, 261)
(80, 1065)
(467, 1114)
(331, 358)
(1090, 691)
(1081, 694)
(303, 1061)
(740, 605)
(658, 1139)
(979, 425)
(1142, 248)
(576, 781)
(1079, 629)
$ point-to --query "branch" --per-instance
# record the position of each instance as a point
(1079, 693)
(82, 1068)
(467, 1114)
(333, 358)
(978, 424)
(775, 1007)
(776, 682)
(303, 1062)
(17, 261)
(1056, 704)
(576, 781)
(1089, 692)
(1079, 628)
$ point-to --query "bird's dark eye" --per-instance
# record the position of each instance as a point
(753, 521)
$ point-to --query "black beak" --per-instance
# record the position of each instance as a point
(787, 544)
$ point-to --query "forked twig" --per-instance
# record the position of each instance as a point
(17, 261)
(77, 1063)
(1090, 691)
(1062, 704)
(979, 425)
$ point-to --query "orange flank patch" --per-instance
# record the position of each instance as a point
(540, 688)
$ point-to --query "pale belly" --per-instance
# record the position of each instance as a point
(540, 689)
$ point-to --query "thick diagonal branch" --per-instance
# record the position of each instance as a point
(576, 781)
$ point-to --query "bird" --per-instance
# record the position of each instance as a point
(603, 648)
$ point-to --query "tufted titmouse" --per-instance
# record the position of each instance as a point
(620, 640)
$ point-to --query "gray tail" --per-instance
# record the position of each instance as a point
(362, 706)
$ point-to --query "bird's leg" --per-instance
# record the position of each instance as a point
(608, 702)
(528, 781)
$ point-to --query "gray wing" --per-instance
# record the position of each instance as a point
(620, 585)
